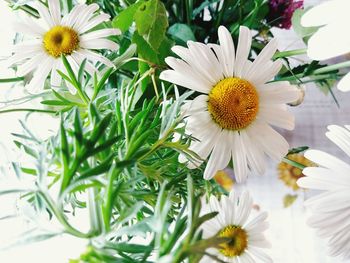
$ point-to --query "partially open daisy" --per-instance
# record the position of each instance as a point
(289, 174)
(231, 120)
(72, 36)
(330, 209)
(330, 40)
(225, 179)
(232, 221)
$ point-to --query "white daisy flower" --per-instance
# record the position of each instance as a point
(248, 238)
(332, 39)
(71, 35)
(231, 120)
(330, 209)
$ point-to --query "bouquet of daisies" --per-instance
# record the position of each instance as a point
(154, 102)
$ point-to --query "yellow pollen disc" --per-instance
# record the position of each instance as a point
(61, 40)
(238, 243)
(233, 103)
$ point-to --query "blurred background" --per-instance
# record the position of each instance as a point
(292, 241)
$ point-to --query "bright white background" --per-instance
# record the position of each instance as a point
(292, 240)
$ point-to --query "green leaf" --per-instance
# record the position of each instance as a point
(138, 143)
(100, 128)
(104, 146)
(64, 150)
(78, 129)
(181, 32)
(297, 150)
(98, 169)
(27, 149)
(81, 71)
(152, 22)
(128, 213)
(205, 218)
(139, 229)
(129, 248)
(301, 31)
(70, 71)
(125, 18)
(165, 49)
(129, 53)
(144, 49)
(13, 191)
(100, 84)
(60, 97)
(55, 103)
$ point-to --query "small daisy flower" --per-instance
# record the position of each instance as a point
(232, 221)
(231, 119)
(290, 174)
(332, 39)
(72, 35)
(330, 209)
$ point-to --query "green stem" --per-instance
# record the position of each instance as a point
(29, 110)
(109, 198)
(188, 12)
(84, 97)
(319, 71)
(11, 80)
(330, 68)
(290, 53)
(94, 211)
(293, 163)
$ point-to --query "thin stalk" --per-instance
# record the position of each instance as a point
(320, 77)
(327, 69)
(188, 11)
(290, 53)
(29, 110)
(11, 80)
(319, 71)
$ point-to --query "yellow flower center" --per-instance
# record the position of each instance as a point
(238, 243)
(233, 103)
(61, 40)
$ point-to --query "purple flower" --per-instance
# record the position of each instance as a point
(281, 12)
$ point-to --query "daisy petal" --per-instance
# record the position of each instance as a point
(244, 43)
(99, 44)
(228, 49)
(55, 11)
